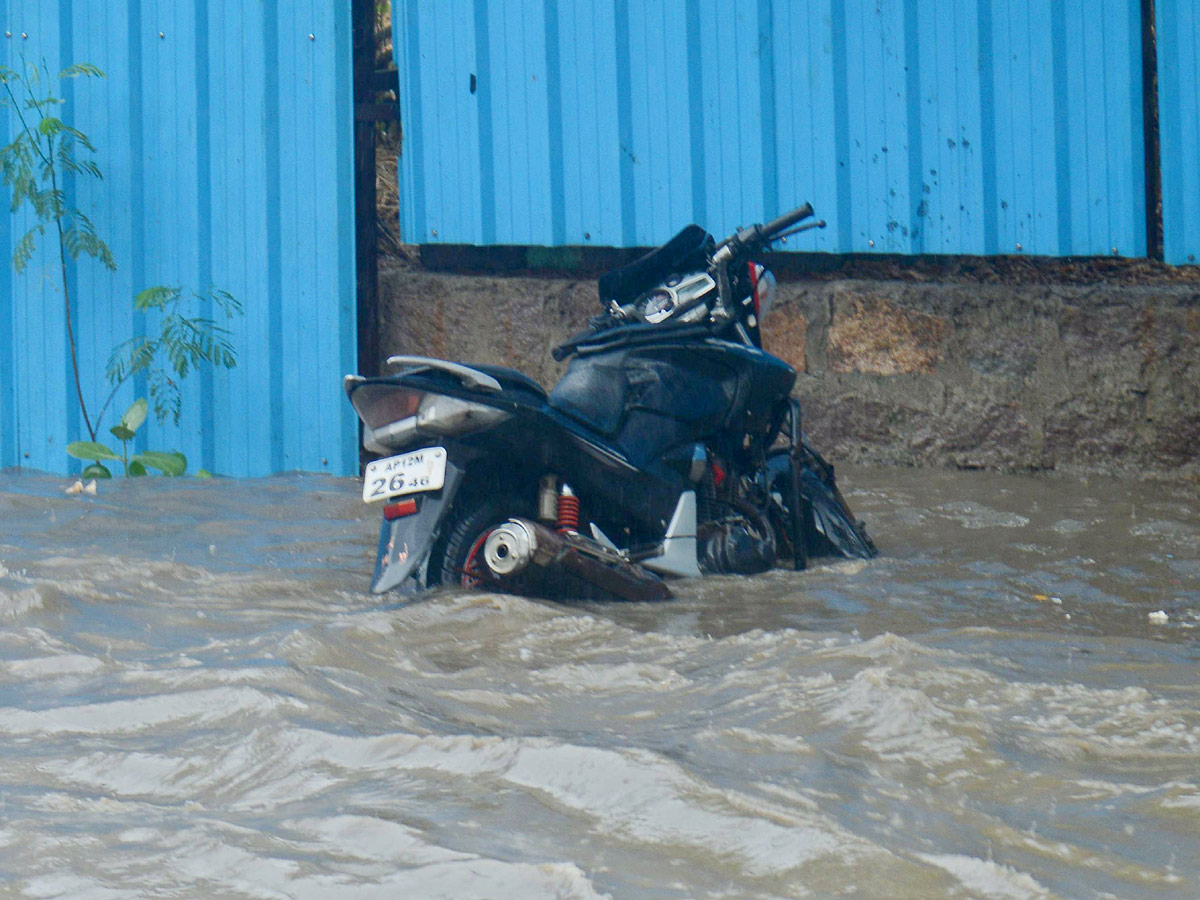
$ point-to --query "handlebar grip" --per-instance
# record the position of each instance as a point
(787, 220)
(567, 347)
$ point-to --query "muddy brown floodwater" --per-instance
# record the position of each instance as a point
(199, 698)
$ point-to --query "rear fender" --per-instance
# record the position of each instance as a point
(404, 544)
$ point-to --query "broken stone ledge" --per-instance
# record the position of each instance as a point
(1037, 376)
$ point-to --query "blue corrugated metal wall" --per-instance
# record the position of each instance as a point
(1179, 124)
(914, 126)
(225, 133)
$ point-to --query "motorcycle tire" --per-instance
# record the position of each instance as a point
(458, 558)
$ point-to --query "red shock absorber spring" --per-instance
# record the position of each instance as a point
(568, 510)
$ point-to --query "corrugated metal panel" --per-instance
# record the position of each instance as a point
(226, 138)
(1179, 124)
(948, 126)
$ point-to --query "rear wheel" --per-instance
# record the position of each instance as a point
(458, 558)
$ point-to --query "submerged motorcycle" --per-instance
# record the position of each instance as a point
(671, 446)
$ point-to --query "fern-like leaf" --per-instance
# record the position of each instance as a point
(87, 70)
(165, 395)
(158, 297)
(25, 247)
(228, 303)
(128, 358)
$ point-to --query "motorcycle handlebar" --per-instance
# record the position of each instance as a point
(787, 220)
(759, 235)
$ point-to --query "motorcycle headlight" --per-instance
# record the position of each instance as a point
(762, 287)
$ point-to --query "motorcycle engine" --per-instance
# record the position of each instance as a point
(736, 546)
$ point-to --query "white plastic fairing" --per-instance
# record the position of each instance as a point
(678, 556)
(602, 539)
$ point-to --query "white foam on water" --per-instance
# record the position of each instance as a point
(1182, 801)
(204, 707)
(588, 677)
(488, 699)
(1070, 720)
(1070, 526)
(755, 741)
(887, 647)
(896, 721)
(189, 675)
(1179, 533)
(68, 664)
(16, 603)
(258, 771)
(373, 839)
(66, 884)
(215, 868)
(987, 878)
(975, 515)
(135, 774)
(59, 802)
(644, 798)
(634, 795)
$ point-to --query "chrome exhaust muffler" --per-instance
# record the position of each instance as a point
(520, 543)
(511, 547)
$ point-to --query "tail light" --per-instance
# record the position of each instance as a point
(396, 415)
(382, 404)
(400, 509)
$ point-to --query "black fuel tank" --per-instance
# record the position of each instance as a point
(648, 399)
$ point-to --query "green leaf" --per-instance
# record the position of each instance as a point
(156, 297)
(76, 69)
(95, 470)
(135, 415)
(171, 463)
(121, 433)
(25, 246)
(168, 400)
(203, 473)
(128, 358)
(226, 301)
(90, 450)
(136, 469)
(50, 126)
(80, 238)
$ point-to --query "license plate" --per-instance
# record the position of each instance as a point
(408, 473)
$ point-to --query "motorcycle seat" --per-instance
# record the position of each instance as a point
(511, 378)
(687, 250)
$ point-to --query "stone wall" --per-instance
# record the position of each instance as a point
(1095, 377)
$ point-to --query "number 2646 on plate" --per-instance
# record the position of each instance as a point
(408, 473)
